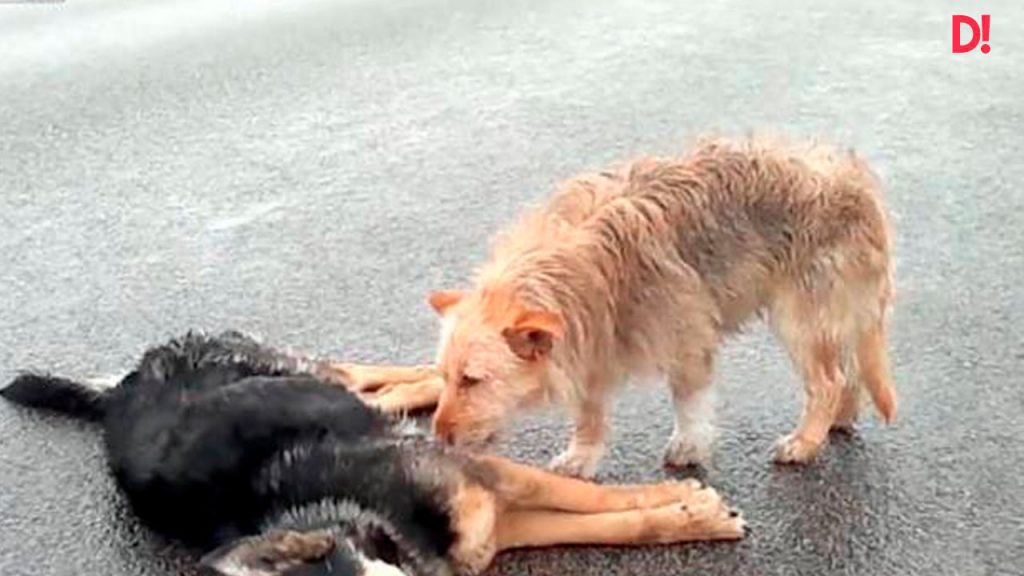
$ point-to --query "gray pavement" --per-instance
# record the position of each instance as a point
(309, 170)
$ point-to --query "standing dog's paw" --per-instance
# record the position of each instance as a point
(794, 449)
(577, 463)
(847, 428)
(681, 452)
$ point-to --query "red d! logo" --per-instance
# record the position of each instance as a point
(978, 33)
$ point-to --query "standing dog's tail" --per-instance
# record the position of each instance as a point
(57, 394)
(873, 366)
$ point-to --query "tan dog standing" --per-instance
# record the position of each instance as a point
(644, 270)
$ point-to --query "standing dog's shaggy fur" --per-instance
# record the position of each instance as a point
(644, 270)
(238, 448)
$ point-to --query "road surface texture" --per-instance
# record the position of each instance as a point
(309, 170)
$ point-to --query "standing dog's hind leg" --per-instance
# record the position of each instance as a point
(848, 410)
(823, 383)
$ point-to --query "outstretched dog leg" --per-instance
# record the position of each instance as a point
(368, 378)
(522, 486)
(406, 397)
(701, 516)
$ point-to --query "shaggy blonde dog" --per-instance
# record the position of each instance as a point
(644, 270)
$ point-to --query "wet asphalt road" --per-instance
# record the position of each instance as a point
(309, 170)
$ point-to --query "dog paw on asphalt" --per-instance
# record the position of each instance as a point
(703, 515)
(793, 449)
(580, 464)
(681, 452)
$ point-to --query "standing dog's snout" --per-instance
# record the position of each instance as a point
(443, 423)
(443, 431)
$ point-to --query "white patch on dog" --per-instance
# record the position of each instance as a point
(410, 427)
(230, 566)
(578, 461)
(103, 382)
(378, 567)
(694, 431)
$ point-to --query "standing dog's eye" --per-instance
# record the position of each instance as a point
(469, 381)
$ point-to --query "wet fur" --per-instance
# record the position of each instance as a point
(645, 269)
(269, 459)
(218, 439)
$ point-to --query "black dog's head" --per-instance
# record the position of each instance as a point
(311, 553)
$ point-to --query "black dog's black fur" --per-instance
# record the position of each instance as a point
(221, 442)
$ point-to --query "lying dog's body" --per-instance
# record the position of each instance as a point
(644, 270)
(261, 457)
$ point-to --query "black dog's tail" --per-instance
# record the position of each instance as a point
(58, 394)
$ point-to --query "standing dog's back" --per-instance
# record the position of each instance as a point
(646, 268)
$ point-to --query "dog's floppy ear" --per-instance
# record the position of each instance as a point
(442, 300)
(269, 554)
(533, 333)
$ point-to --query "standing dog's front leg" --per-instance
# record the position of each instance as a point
(586, 448)
(690, 381)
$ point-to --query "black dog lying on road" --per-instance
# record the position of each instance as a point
(263, 458)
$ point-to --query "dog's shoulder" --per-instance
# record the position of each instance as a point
(406, 484)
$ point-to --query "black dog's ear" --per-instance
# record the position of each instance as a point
(269, 554)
